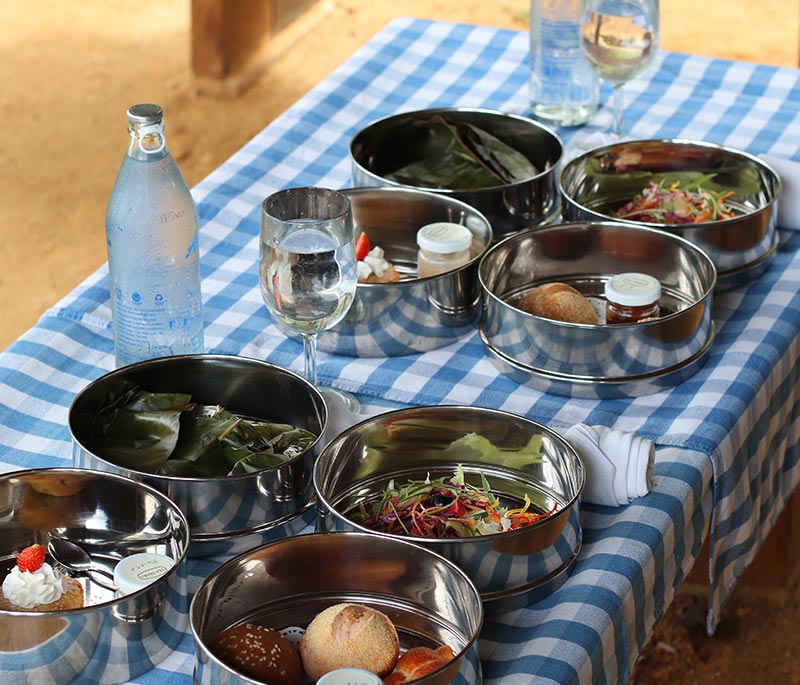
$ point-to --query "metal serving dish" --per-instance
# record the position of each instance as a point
(112, 639)
(230, 514)
(388, 144)
(510, 569)
(415, 315)
(285, 584)
(583, 360)
(602, 180)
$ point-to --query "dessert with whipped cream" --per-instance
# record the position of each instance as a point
(34, 585)
(372, 265)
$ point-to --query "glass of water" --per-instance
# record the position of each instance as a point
(307, 265)
(618, 39)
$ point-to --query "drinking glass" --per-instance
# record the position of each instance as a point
(307, 265)
(618, 39)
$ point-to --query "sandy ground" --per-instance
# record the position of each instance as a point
(70, 70)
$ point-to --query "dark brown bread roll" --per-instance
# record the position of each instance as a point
(259, 653)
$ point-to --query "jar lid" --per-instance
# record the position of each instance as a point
(633, 289)
(349, 676)
(444, 237)
(137, 571)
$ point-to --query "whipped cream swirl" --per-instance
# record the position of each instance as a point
(30, 588)
(373, 263)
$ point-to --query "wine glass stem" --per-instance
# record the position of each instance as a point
(310, 350)
(617, 126)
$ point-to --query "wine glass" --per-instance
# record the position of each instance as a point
(307, 265)
(618, 39)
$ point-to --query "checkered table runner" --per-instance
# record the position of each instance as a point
(727, 439)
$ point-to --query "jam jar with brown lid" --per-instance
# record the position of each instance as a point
(632, 297)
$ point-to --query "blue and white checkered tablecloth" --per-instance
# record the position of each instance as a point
(727, 439)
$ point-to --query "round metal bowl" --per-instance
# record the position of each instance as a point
(112, 639)
(510, 569)
(285, 584)
(388, 144)
(231, 514)
(415, 314)
(582, 360)
(600, 181)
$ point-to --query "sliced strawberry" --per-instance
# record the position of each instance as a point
(362, 246)
(31, 558)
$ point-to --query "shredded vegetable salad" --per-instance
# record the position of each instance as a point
(445, 507)
(668, 203)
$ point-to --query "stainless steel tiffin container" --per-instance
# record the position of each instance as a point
(113, 638)
(510, 569)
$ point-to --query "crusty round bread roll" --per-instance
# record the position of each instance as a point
(349, 636)
(259, 653)
(418, 662)
(559, 301)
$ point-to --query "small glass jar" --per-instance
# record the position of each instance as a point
(631, 297)
(137, 571)
(443, 246)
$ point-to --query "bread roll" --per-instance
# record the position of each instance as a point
(349, 636)
(559, 301)
(418, 662)
(259, 653)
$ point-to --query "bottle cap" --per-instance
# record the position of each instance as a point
(633, 289)
(137, 571)
(349, 676)
(444, 237)
(145, 113)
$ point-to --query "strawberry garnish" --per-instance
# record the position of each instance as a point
(31, 558)
(362, 246)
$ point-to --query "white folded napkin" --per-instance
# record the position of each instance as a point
(619, 465)
(789, 201)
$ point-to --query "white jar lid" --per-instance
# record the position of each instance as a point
(444, 237)
(633, 289)
(137, 571)
(349, 676)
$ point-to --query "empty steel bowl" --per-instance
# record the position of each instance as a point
(285, 584)
(229, 514)
(388, 144)
(510, 569)
(596, 360)
(599, 182)
(414, 314)
(113, 638)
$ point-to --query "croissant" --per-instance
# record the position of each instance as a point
(418, 662)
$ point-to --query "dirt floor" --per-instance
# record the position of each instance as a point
(71, 69)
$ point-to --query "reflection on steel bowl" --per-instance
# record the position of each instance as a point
(233, 513)
(510, 569)
(414, 314)
(378, 151)
(595, 360)
(112, 638)
(285, 584)
(598, 183)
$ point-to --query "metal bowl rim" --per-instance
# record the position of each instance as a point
(401, 189)
(128, 481)
(687, 244)
(442, 110)
(581, 477)
(228, 563)
(675, 142)
(195, 479)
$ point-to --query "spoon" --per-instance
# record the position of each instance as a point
(76, 559)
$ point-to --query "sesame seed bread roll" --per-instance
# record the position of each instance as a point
(349, 636)
(259, 653)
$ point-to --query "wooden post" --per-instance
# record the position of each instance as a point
(231, 40)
